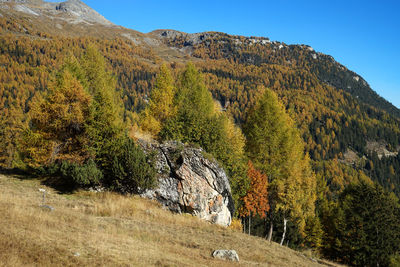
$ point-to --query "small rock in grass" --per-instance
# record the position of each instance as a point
(224, 254)
(47, 207)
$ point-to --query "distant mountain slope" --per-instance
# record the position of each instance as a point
(260, 50)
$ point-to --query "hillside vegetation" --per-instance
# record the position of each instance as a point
(108, 229)
(333, 107)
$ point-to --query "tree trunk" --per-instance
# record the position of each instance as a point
(271, 228)
(377, 238)
(249, 223)
(284, 230)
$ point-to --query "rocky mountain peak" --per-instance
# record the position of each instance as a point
(72, 11)
(82, 11)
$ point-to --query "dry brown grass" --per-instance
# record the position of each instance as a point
(107, 229)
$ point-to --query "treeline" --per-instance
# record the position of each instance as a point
(235, 68)
(330, 119)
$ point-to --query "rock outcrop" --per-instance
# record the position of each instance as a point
(381, 148)
(191, 183)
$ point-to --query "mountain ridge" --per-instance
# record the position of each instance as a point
(356, 85)
(78, 12)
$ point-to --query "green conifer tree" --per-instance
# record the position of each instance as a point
(367, 232)
(161, 104)
(105, 126)
(197, 121)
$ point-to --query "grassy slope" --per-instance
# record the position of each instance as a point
(112, 230)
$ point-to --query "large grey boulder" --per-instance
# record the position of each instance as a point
(191, 183)
(224, 254)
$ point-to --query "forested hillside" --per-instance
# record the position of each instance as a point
(331, 120)
(213, 90)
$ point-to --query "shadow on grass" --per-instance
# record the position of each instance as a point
(58, 184)
(18, 173)
(55, 182)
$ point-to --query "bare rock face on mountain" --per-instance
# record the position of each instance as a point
(72, 11)
(80, 10)
(191, 183)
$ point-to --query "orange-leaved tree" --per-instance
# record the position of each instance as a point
(255, 202)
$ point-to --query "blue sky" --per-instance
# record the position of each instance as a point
(362, 35)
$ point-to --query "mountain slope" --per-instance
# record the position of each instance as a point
(334, 108)
(260, 50)
(92, 229)
(245, 50)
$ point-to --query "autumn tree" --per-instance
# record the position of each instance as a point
(12, 125)
(77, 124)
(255, 202)
(234, 158)
(59, 124)
(275, 147)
